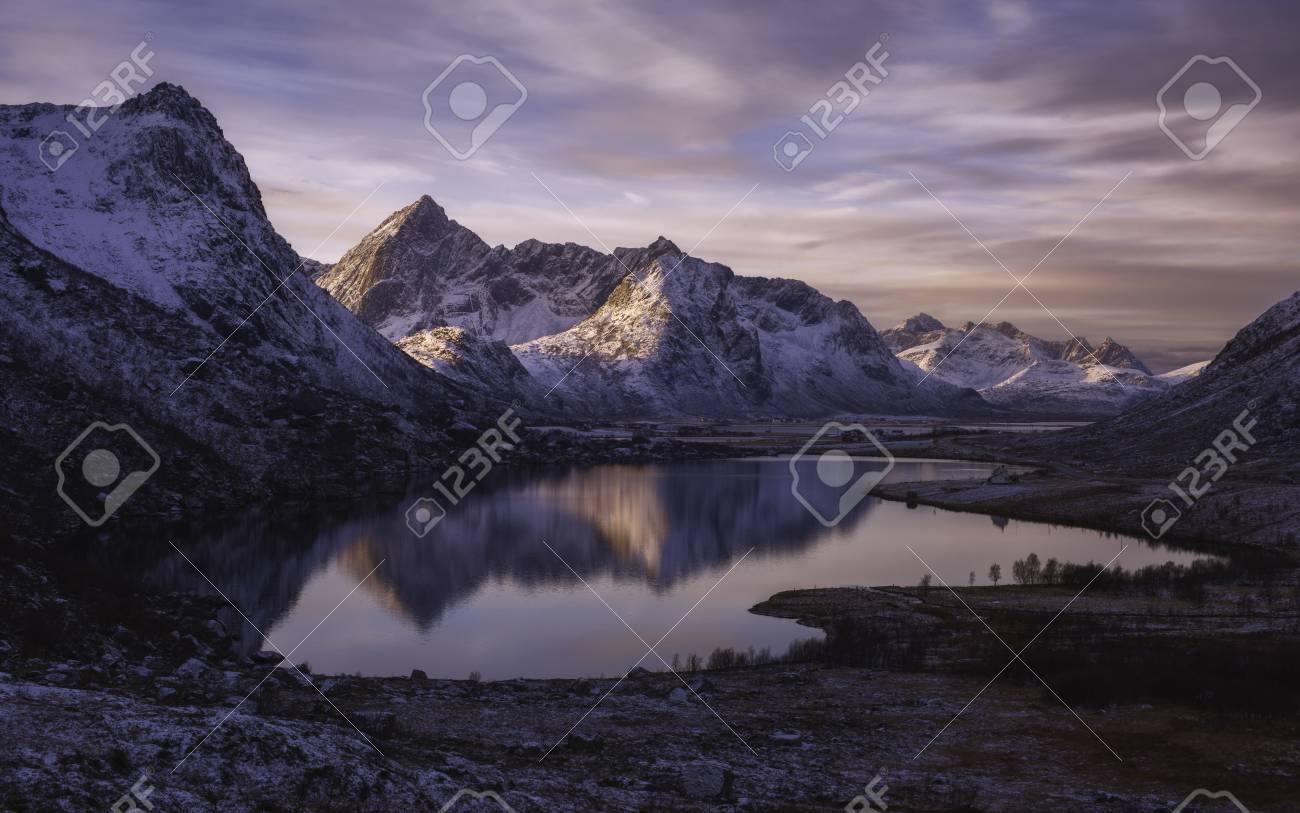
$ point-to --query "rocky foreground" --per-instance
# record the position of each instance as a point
(156, 698)
(819, 736)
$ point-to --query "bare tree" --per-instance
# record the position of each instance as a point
(1028, 570)
(1033, 568)
(995, 573)
(972, 578)
(1052, 571)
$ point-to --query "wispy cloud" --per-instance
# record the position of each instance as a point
(655, 115)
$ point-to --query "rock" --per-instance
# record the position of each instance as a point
(787, 736)
(192, 669)
(706, 779)
(419, 675)
(165, 692)
(679, 695)
(639, 673)
(701, 684)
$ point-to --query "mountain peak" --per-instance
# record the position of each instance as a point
(424, 216)
(1007, 329)
(662, 245)
(165, 97)
(1113, 354)
(921, 323)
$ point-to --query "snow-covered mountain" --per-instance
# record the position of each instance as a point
(657, 333)
(141, 283)
(476, 361)
(1184, 373)
(420, 269)
(685, 336)
(1013, 369)
(1257, 371)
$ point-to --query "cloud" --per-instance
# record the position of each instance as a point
(1019, 116)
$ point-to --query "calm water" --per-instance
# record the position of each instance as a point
(482, 592)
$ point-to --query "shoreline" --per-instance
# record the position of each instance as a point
(1114, 506)
(160, 674)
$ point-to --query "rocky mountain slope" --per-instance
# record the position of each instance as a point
(419, 269)
(650, 331)
(685, 336)
(1258, 370)
(1013, 369)
(126, 299)
(475, 361)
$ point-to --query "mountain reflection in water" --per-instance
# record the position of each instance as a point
(482, 593)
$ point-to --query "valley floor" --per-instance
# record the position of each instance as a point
(819, 736)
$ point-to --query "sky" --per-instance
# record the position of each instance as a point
(1001, 127)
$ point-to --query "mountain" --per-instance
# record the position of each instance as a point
(125, 299)
(682, 336)
(475, 361)
(1184, 373)
(420, 269)
(1015, 370)
(1258, 371)
(657, 333)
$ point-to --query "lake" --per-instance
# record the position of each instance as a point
(482, 591)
